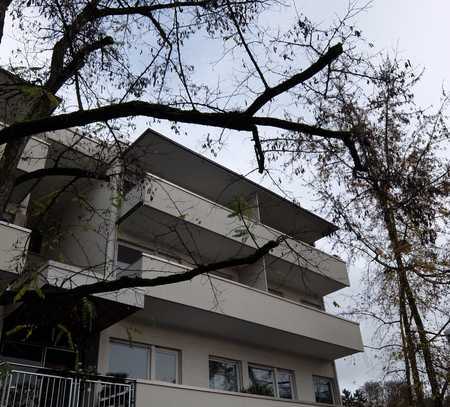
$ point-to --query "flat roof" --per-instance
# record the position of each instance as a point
(157, 154)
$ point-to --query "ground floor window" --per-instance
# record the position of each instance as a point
(323, 389)
(141, 361)
(48, 356)
(269, 381)
(224, 374)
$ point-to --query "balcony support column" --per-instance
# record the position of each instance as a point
(115, 172)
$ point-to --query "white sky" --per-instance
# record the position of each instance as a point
(416, 29)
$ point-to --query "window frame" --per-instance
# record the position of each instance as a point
(238, 368)
(332, 388)
(151, 362)
(275, 371)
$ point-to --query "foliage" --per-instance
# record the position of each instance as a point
(260, 389)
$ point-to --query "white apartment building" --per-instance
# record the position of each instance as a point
(253, 336)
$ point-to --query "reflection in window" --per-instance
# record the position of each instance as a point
(129, 360)
(261, 380)
(141, 361)
(269, 381)
(285, 382)
(166, 365)
(323, 388)
(224, 374)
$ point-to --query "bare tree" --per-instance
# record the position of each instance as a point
(97, 65)
(392, 199)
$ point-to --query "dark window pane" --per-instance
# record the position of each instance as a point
(127, 255)
(129, 360)
(166, 365)
(323, 388)
(285, 379)
(261, 379)
(223, 375)
(24, 351)
(59, 359)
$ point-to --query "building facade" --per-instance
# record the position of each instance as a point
(254, 335)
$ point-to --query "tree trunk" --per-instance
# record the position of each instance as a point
(391, 226)
(408, 349)
(4, 4)
(41, 107)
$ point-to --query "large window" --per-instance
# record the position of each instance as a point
(224, 374)
(323, 389)
(269, 381)
(144, 361)
(129, 360)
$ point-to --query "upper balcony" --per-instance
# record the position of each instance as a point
(163, 157)
(218, 306)
(158, 210)
(65, 276)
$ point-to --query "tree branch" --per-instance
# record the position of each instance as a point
(332, 54)
(74, 294)
(57, 171)
(229, 120)
(60, 76)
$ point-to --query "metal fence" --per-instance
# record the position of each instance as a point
(24, 386)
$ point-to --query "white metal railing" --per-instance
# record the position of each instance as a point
(27, 386)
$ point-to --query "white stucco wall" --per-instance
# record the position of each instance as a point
(13, 247)
(196, 349)
(85, 227)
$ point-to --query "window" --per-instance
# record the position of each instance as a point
(51, 357)
(129, 360)
(269, 381)
(144, 361)
(126, 255)
(224, 374)
(323, 388)
(286, 383)
(166, 365)
(261, 380)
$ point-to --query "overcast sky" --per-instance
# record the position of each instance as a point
(416, 29)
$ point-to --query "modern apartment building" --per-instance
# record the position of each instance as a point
(251, 336)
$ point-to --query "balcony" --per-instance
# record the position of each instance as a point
(31, 386)
(65, 276)
(164, 212)
(13, 247)
(217, 306)
(165, 394)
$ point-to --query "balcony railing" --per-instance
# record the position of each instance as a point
(29, 386)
